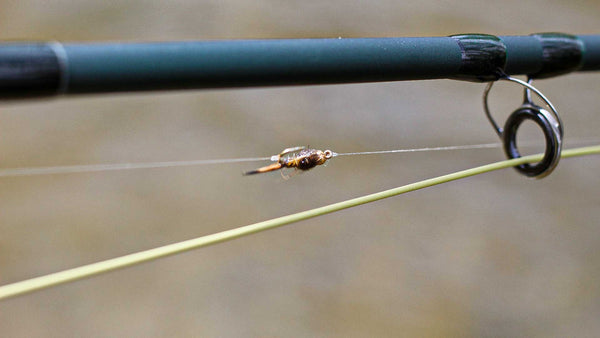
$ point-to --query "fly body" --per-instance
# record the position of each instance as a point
(301, 158)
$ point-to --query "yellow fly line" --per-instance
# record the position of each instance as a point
(42, 282)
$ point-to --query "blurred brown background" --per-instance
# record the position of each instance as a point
(493, 255)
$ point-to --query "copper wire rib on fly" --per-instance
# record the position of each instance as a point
(301, 158)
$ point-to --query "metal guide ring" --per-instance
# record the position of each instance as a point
(548, 121)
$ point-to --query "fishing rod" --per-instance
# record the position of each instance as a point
(51, 68)
(34, 69)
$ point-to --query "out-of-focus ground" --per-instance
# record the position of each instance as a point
(493, 255)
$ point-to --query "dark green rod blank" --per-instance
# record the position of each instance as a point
(43, 69)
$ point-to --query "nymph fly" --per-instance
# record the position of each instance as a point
(297, 157)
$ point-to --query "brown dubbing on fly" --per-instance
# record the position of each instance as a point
(298, 157)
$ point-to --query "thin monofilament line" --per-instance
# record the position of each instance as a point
(32, 171)
(72, 169)
(10, 172)
(463, 147)
(414, 150)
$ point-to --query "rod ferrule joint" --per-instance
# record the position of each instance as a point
(28, 70)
